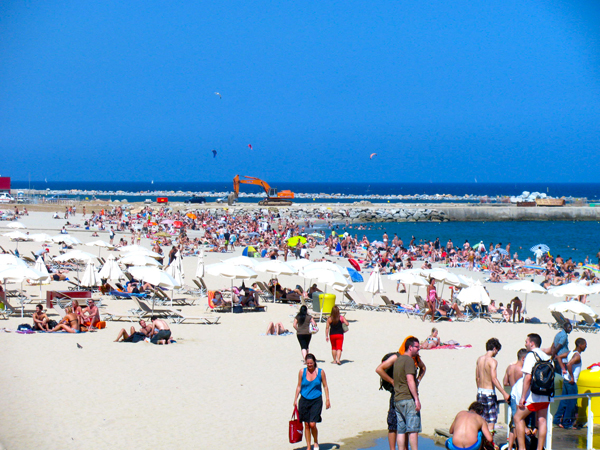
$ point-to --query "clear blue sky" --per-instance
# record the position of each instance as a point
(442, 90)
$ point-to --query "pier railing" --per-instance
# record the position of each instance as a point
(549, 418)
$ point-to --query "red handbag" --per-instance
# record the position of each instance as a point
(296, 428)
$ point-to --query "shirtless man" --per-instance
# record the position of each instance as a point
(90, 315)
(487, 380)
(160, 332)
(468, 429)
(40, 319)
(514, 372)
(69, 323)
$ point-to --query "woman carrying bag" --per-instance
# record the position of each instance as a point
(336, 326)
(310, 380)
(302, 325)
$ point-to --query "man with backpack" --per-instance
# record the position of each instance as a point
(538, 387)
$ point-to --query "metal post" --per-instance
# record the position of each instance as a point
(590, 425)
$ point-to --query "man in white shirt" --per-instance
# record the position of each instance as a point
(530, 402)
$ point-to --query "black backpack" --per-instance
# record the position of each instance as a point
(384, 385)
(542, 377)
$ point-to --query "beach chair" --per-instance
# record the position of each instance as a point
(423, 308)
(360, 304)
(178, 317)
(164, 299)
(144, 310)
(559, 320)
(389, 306)
(220, 308)
(28, 259)
(16, 311)
(201, 291)
(266, 295)
(589, 325)
(476, 311)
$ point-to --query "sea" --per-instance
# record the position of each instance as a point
(579, 240)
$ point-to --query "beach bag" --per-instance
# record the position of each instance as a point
(542, 377)
(238, 309)
(52, 323)
(345, 327)
(24, 327)
(313, 328)
(384, 385)
(296, 430)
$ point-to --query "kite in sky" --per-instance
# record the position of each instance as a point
(216, 93)
(250, 145)
(214, 153)
(372, 154)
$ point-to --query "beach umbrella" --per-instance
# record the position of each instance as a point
(137, 259)
(474, 294)
(326, 265)
(500, 251)
(100, 244)
(175, 269)
(133, 248)
(6, 259)
(276, 267)
(111, 269)
(192, 216)
(140, 251)
(409, 278)
(178, 224)
(375, 284)
(167, 222)
(154, 276)
(478, 246)
(200, 265)
(233, 272)
(569, 290)
(526, 287)
(540, 248)
(65, 239)
(293, 241)
(16, 225)
(17, 236)
(445, 277)
(317, 235)
(329, 278)
(574, 307)
(90, 277)
(41, 237)
(76, 255)
(18, 274)
(299, 264)
(594, 288)
(242, 261)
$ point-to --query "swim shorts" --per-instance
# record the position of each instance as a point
(162, 335)
(535, 407)
(409, 420)
(490, 406)
(392, 420)
(476, 446)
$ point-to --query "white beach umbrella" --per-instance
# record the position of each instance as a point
(66, 239)
(474, 294)
(409, 278)
(232, 272)
(137, 259)
(569, 290)
(299, 264)
(18, 274)
(90, 277)
(594, 288)
(375, 284)
(7, 259)
(242, 261)
(41, 237)
(326, 265)
(100, 244)
(330, 278)
(111, 270)
(144, 252)
(17, 236)
(200, 265)
(16, 225)
(76, 255)
(154, 276)
(41, 268)
(574, 307)
(133, 248)
(276, 267)
(526, 287)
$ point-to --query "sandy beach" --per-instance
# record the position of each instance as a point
(228, 385)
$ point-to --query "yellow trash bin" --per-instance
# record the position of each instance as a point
(327, 302)
(589, 382)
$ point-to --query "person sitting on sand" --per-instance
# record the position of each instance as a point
(468, 429)
(90, 315)
(432, 341)
(135, 336)
(276, 329)
(69, 323)
(160, 332)
(40, 319)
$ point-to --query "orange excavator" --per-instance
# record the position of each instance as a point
(274, 197)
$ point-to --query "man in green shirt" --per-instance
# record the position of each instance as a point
(406, 397)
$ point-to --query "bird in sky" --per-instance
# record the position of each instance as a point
(214, 152)
(216, 93)
(372, 154)
(250, 145)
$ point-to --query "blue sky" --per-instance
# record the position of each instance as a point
(448, 91)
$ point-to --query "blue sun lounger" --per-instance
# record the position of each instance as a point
(119, 294)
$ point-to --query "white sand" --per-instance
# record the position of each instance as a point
(227, 386)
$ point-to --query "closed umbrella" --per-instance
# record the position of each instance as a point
(200, 265)
(90, 277)
(41, 268)
(111, 269)
(175, 269)
(526, 287)
(375, 284)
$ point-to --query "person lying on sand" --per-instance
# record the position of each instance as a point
(276, 329)
(135, 336)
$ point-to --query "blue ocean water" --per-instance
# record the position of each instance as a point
(567, 239)
(577, 190)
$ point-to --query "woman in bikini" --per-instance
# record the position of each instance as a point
(432, 341)
(70, 323)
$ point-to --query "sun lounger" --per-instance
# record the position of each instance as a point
(126, 295)
(179, 318)
(363, 306)
(16, 311)
(164, 299)
(589, 325)
(559, 320)
(144, 310)
(266, 294)
(389, 306)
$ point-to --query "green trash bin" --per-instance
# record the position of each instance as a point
(316, 302)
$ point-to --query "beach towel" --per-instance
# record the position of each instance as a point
(450, 347)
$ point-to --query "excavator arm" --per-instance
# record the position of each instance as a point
(272, 195)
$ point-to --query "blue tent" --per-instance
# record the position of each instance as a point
(355, 275)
